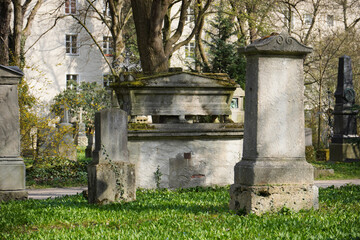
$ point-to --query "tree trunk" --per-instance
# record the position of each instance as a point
(5, 16)
(17, 32)
(148, 17)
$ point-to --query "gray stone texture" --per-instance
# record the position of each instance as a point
(12, 168)
(214, 149)
(111, 136)
(113, 182)
(177, 94)
(111, 177)
(274, 139)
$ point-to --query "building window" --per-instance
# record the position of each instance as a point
(308, 19)
(70, 6)
(72, 81)
(189, 14)
(234, 103)
(330, 20)
(108, 46)
(71, 43)
(190, 50)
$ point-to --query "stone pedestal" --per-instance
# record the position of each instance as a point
(111, 177)
(12, 168)
(273, 172)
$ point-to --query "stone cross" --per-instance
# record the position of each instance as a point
(273, 172)
(12, 167)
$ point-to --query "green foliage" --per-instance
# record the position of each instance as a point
(310, 154)
(157, 175)
(89, 97)
(57, 171)
(342, 170)
(198, 213)
(224, 57)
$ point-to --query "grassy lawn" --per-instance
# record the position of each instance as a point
(199, 213)
(341, 170)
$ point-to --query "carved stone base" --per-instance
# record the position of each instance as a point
(13, 195)
(344, 152)
(261, 199)
(111, 182)
(12, 174)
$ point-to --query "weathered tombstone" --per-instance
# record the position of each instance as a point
(345, 141)
(111, 177)
(12, 167)
(66, 148)
(273, 172)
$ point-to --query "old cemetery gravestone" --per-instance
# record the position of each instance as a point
(344, 144)
(273, 172)
(184, 145)
(12, 167)
(111, 177)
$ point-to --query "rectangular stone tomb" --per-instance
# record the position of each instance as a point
(176, 94)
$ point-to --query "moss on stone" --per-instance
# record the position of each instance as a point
(140, 126)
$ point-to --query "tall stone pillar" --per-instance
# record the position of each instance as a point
(273, 172)
(345, 141)
(111, 177)
(12, 167)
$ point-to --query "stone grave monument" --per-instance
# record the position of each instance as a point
(111, 177)
(273, 172)
(67, 147)
(345, 141)
(12, 167)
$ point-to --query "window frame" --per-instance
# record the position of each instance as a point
(108, 46)
(308, 19)
(190, 50)
(69, 50)
(77, 81)
(70, 9)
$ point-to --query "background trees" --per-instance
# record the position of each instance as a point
(155, 44)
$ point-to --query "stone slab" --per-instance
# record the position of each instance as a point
(12, 175)
(274, 171)
(111, 182)
(9, 122)
(272, 198)
(110, 136)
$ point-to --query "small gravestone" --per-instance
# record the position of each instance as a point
(66, 148)
(345, 141)
(111, 177)
(273, 172)
(12, 167)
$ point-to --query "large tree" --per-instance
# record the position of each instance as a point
(5, 17)
(23, 19)
(154, 46)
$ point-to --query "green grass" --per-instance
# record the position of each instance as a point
(341, 170)
(182, 214)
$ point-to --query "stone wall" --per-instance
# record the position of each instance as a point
(187, 155)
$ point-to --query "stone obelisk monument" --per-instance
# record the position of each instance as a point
(345, 141)
(12, 167)
(273, 172)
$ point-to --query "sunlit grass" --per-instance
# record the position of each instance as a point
(200, 213)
